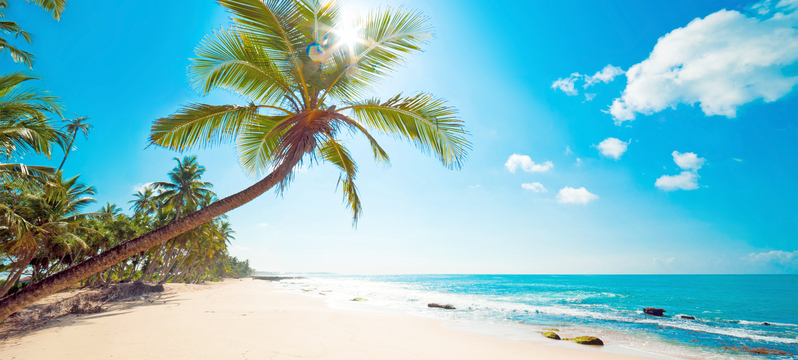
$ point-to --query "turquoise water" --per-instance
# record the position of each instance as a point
(729, 309)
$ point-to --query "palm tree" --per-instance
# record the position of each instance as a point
(144, 202)
(305, 86)
(54, 7)
(52, 216)
(186, 188)
(72, 127)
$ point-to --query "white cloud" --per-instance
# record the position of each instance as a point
(477, 186)
(667, 261)
(687, 180)
(606, 75)
(578, 162)
(589, 96)
(569, 195)
(140, 187)
(688, 161)
(737, 160)
(777, 257)
(263, 224)
(535, 186)
(568, 150)
(612, 148)
(721, 62)
(567, 84)
(526, 164)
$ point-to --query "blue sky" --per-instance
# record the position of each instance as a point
(703, 180)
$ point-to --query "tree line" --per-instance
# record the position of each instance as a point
(44, 223)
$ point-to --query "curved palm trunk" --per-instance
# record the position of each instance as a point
(13, 276)
(66, 153)
(180, 265)
(98, 263)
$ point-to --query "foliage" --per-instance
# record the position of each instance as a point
(305, 82)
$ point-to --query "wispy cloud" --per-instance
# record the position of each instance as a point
(140, 187)
(606, 75)
(686, 180)
(569, 195)
(777, 260)
(476, 186)
(526, 164)
(535, 186)
(567, 85)
(263, 225)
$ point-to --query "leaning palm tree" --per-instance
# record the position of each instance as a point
(306, 88)
(73, 126)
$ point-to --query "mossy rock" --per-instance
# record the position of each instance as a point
(551, 329)
(551, 335)
(587, 340)
(359, 299)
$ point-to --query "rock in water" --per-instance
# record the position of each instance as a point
(447, 307)
(766, 324)
(687, 317)
(653, 311)
(551, 335)
(588, 340)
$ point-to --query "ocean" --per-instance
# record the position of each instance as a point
(730, 310)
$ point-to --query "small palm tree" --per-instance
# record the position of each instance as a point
(144, 202)
(186, 188)
(53, 7)
(73, 126)
(306, 86)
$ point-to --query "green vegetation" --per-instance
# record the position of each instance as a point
(587, 340)
(305, 88)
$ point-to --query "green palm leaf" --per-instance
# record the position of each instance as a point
(423, 119)
(334, 152)
(200, 125)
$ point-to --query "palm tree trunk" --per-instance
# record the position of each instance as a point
(151, 266)
(65, 278)
(188, 253)
(14, 276)
(66, 153)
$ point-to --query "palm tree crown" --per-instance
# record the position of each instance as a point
(186, 189)
(305, 83)
(73, 126)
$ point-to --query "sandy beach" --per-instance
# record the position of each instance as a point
(248, 319)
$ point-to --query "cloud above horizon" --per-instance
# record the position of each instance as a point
(720, 62)
(568, 85)
(686, 180)
(569, 195)
(535, 186)
(777, 259)
(141, 186)
(612, 148)
(526, 164)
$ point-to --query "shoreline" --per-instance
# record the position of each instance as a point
(255, 320)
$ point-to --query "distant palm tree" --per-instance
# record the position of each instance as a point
(53, 7)
(306, 87)
(72, 127)
(186, 188)
(144, 202)
(110, 210)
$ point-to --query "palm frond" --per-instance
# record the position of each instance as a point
(200, 125)
(227, 60)
(334, 152)
(53, 7)
(423, 119)
(17, 55)
(258, 144)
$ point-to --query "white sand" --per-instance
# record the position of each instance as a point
(246, 319)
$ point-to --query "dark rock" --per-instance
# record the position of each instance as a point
(653, 311)
(766, 324)
(551, 335)
(447, 307)
(687, 317)
(587, 340)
